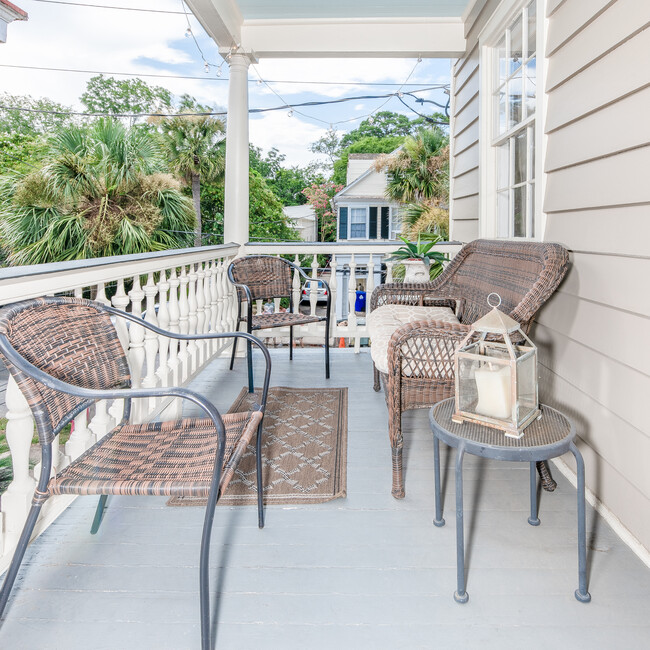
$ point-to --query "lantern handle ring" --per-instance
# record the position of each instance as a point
(494, 294)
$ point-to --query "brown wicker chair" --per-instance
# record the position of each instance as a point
(263, 277)
(64, 354)
(420, 354)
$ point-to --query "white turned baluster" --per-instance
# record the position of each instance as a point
(17, 499)
(296, 287)
(223, 307)
(200, 312)
(192, 346)
(334, 289)
(207, 306)
(120, 301)
(352, 295)
(313, 285)
(232, 301)
(389, 271)
(150, 340)
(136, 348)
(215, 304)
(183, 323)
(101, 423)
(174, 326)
(163, 323)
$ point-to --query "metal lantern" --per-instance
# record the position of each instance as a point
(496, 379)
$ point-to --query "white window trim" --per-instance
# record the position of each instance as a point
(358, 207)
(488, 40)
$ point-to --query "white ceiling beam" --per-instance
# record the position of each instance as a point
(405, 37)
(221, 19)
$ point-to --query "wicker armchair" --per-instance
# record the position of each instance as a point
(420, 354)
(64, 354)
(263, 277)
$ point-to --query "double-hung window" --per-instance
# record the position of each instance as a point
(358, 223)
(514, 96)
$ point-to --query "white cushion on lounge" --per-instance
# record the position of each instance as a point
(383, 321)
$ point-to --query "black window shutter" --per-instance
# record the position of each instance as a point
(343, 223)
(385, 222)
(373, 223)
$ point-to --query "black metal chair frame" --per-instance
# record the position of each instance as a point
(249, 299)
(90, 396)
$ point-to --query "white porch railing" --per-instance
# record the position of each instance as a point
(184, 291)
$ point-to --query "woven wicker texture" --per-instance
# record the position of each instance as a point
(420, 354)
(265, 276)
(159, 459)
(550, 429)
(281, 319)
(71, 340)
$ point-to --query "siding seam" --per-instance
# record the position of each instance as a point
(598, 207)
(622, 310)
(467, 56)
(598, 108)
(556, 8)
(467, 171)
(457, 133)
(469, 77)
(602, 55)
(580, 29)
(604, 156)
(467, 103)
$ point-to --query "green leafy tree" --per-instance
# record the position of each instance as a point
(267, 220)
(328, 145)
(196, 148)
(100, 192)
(41, 115)
(20, 152)
(365, 145)
(125, 96)
(380, 125)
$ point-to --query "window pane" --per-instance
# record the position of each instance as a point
(358, 222)
(516, 42)
(521, 155)
(531, 86)
(503, 166)
(531, 210)
(514, 99)
(501, 61)
(519, 209)
(503, 214)
(531, 148)
(502, 110)
(532, 28)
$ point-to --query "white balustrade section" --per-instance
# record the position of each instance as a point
(149, 287)
(182, 291)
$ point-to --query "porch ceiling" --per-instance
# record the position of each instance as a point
(339, 28)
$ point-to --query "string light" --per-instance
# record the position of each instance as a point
(219, 73)
(290, 113)
(188, 32)
(207, 67)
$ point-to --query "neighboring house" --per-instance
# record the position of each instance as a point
(8, 13)
(362, 209)
(303, 219)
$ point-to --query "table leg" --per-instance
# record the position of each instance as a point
(438, 521)
(460, 595)
(533, 520)
(581, 593)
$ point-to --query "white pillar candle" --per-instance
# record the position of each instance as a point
(494, 391)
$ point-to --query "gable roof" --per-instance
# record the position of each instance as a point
(15, 13)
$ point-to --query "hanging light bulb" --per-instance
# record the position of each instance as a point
(188, 32)
(259, 82)
(419, 59)
(290, 113)
(219, 71)
(400, 94)
(206, 67)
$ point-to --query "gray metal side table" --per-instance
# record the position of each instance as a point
(550, 436)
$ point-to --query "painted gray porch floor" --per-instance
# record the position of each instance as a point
(363, 572)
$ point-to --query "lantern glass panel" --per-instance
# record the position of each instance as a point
(526, 384)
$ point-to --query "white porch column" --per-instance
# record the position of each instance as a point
(235, 225)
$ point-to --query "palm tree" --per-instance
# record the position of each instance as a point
(418, 176)
(196, 149)
(100, 192)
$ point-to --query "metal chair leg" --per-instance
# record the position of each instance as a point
(460, 595)
(581, 592)
(249, 356)
(234, 345)
(327, 348)
(204, 565)
(260, 485)
(533, 520)
(99, 514)
(19, 553)
(291, 343)
(438, 521)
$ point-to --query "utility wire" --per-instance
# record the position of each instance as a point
(93, 6)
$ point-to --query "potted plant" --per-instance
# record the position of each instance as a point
(421, 263)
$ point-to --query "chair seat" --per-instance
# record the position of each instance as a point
(173, 458)
(282, 319)
(384, 321)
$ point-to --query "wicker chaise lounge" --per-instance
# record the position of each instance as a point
(418, 369)
(64, 354)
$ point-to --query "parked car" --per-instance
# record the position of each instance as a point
(321, 291)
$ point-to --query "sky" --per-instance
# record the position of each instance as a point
(111, 40)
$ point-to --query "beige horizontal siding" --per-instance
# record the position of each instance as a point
(468, 137)
(553, 5)
(465, 68)
(613, 231)
(468, 92)
(612, 487)
(467, 115)
(617, 127)
(464, 230)
(619, 73)
(466, 208)
(466, 161)
(566, 20)
(616, 180)
(466, 184)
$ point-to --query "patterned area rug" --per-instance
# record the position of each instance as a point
(304, 451)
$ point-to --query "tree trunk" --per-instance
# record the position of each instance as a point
(196, 197)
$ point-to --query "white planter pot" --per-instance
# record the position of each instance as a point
(415, 271)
